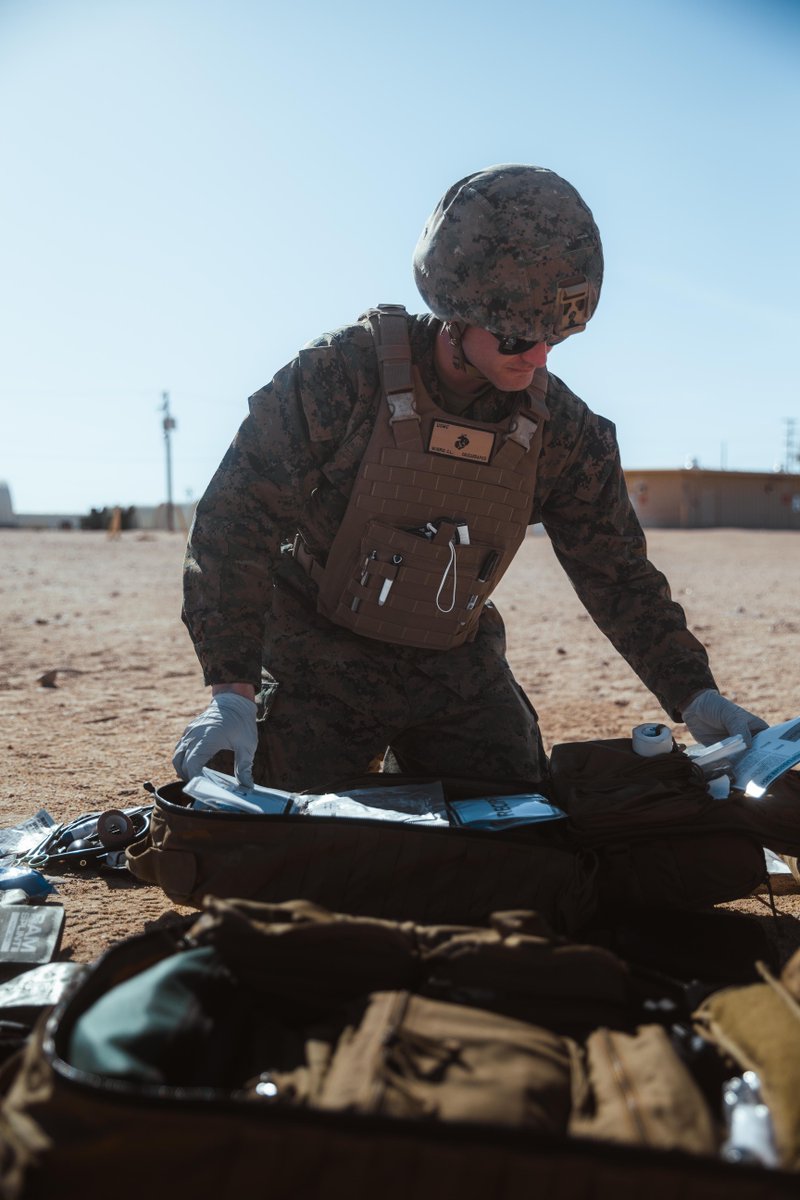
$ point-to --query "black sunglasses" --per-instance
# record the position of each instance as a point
(513, 345)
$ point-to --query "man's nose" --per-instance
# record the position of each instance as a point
(537, 355)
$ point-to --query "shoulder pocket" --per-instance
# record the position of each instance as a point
(599, 459)
(321, 391)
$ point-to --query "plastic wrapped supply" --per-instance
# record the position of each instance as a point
(717, 764)
(420, 804)
(411, 804)
(752, 769)
(718, 756)
(27, 880)
(751, 1135)
(773, 752)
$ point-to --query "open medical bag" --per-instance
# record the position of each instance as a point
(638, 831)
(283, 1051)
(363, 866)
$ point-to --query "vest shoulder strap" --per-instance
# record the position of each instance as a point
(389, 324)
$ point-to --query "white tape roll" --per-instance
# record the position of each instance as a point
(650, 740)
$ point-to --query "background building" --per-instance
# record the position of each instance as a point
(695, 498)
(689, 498)
(141, 516)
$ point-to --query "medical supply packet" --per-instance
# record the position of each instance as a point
(216, 791)
(505, 812)
(772, 752)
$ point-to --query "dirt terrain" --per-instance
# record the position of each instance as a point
(103, 614)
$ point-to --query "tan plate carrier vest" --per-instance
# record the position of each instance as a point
(439, 508)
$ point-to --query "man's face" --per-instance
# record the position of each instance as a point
(506, 372)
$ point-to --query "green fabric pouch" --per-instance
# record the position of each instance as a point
(153, 1027)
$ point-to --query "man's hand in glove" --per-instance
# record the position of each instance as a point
(229, 723)
(709, 718)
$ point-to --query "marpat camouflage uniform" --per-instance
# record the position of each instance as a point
(331, 700)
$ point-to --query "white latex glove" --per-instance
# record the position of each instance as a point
(710, 718)
(229, 723)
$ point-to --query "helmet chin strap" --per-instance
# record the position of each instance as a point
(455, 334)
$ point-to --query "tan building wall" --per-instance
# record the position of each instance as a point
(698, 499)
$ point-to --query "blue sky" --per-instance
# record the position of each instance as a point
(192, 190)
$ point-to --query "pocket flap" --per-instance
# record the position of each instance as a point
(173, 870)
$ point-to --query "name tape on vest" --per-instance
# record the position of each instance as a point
(461, 441)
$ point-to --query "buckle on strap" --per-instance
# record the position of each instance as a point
(522, 430)
(402, 407)
(300, 550)
(305, 558)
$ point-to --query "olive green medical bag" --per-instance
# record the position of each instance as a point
(284, 1051)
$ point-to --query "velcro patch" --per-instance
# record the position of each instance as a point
(461, 441)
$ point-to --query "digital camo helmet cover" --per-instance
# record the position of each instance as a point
(512, 249)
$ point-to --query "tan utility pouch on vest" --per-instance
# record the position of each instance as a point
(402, 587)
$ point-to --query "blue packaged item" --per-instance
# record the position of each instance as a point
(32, 883)
(505, 812)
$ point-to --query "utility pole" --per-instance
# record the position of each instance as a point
(791, 454)
(168, 424)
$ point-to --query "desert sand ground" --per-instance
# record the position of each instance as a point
(104, 614)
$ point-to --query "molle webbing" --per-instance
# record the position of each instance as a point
(427, 536)
(408, 488)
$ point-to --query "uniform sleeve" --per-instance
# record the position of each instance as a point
(598, 540)
(254, 504)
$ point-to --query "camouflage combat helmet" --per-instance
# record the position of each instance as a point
(512, 249)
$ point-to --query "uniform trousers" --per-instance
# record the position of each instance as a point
(333, 701)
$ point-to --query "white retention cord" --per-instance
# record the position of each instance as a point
(450, 566)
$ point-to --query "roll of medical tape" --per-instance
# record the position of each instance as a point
(650, 740)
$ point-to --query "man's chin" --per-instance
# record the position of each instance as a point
(519, 378)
